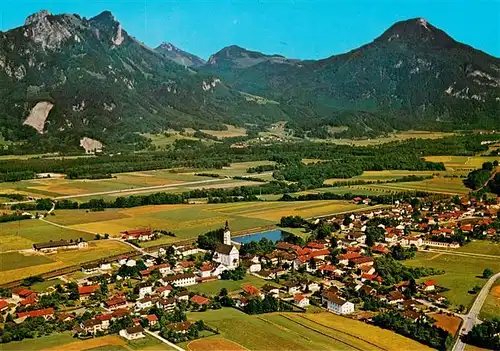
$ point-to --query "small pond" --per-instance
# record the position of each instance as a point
(273, 235)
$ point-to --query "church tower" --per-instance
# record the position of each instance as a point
(227, 235)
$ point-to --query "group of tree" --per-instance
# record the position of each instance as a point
(262, 247)
(267, 305)
(394, 272)
(485, 335)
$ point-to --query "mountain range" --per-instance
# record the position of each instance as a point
(64, 78)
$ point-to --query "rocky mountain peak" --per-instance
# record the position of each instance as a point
(173, 53)
(36, 17)
(416, 30)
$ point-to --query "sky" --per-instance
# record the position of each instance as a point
(302, 29)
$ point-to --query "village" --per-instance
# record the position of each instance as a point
(350, 265)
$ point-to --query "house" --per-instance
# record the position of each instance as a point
(22, 293)
(164, 291)
(152, 319)
(181, 279)
(345, 258)
(183, 296)
(46, 313)
(115, 302)
(252, 291)
(252, 264)
(90, 268)
(166, 304)
(87, 290)
(310, 286)
(60, 245)
(395, 297)
(92, 326)
(380, 249)
(133, 333)
(336, 304)
(144, 289)
(205, 271)
(141, 234)
(199, 300)
(105, 266)
(301, 301)
(292, 287)
(3, 305)
(30, 300)
(181, 327)
(271, 290)
(105, 320)
(362, 261)
(143, 303)
(429, 285)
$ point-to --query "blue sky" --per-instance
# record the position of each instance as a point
(297, 29)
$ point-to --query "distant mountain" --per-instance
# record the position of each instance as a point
(63, 77)
(413, 76)
(179, 56)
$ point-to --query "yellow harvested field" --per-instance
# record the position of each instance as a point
(216, 343)
(90, 344)
(231, 132)
(400, 136)
(378, 337)
(95, 251)
(226, 185)
(373, 176)
(448, 323)
(189, 221)
(462, 163)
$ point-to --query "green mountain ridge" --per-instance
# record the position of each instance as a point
(106, 85)
(412, 76)
(64, 77)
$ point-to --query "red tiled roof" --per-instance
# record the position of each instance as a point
(117, 300)
(30, 300)
(104, 317)
(186, 264)
(3, 304)
(299, 298)
(152, 317)
(200, 300)
(23, 292)
(206, 268)
(37, 313)
(88, 289)
(349, 256)
(429, 283)
(327, 267)
(251, 290)
(314, 245)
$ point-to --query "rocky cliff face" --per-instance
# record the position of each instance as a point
(179, 56)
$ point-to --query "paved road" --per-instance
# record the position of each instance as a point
(471, 318)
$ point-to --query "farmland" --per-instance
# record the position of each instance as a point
(23, 234)
(440, 185)
(491, 307)
(399, 136)
(42, 263)
(65, 342)
(461, 163)
(189, 221)
(373, 176)
(231, 132)
(446, 322)
(462, 272)
(288, 331)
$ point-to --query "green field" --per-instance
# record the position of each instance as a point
(483, 247)
(15, 260)
(212, 288)
(491, 307)
(45, 285)
(462, 272)
(23, 234)
(189, 221)
(44, 342)
(398, 136)
(286, 331)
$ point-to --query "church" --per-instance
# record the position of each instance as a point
(226, 254)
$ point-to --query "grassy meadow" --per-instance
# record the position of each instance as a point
(289, 331)
(462, 272)
(213, 287)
